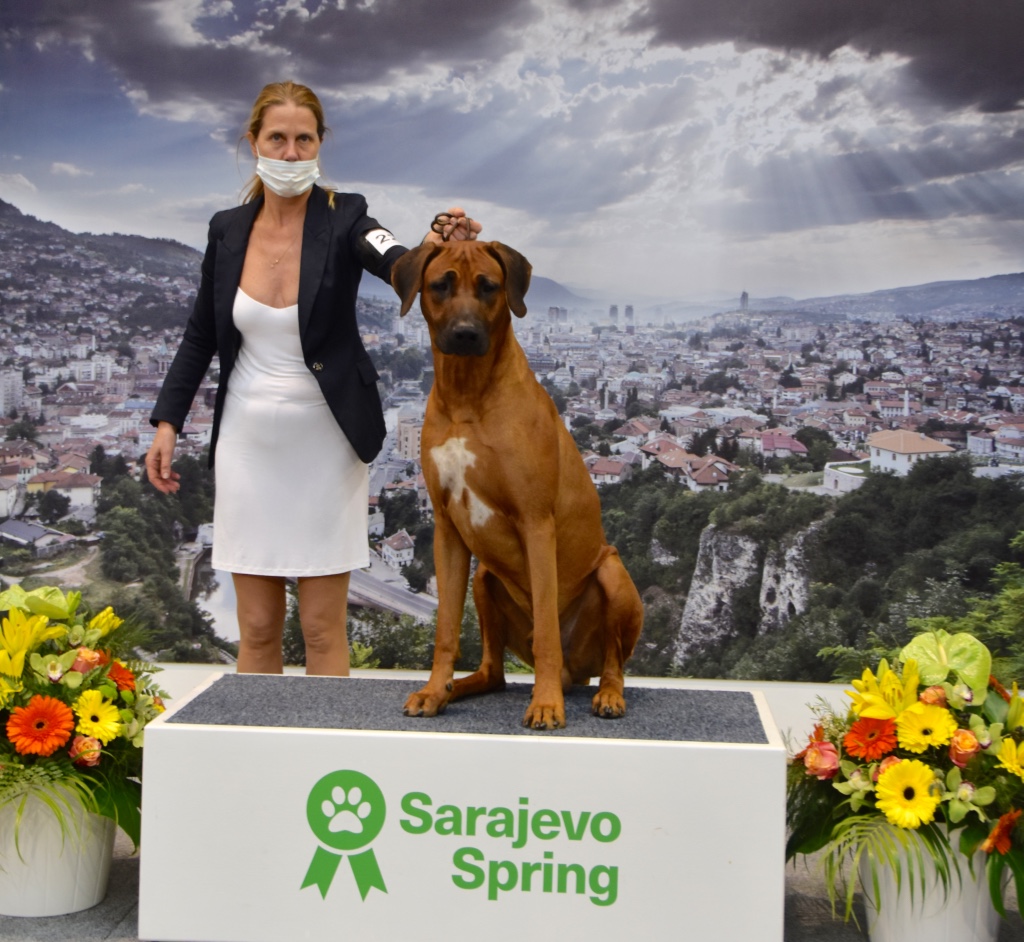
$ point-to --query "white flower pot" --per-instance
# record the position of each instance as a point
(964, 914)
(53, 875)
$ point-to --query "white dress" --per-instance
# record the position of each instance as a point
(291, 495)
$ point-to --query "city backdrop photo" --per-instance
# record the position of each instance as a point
(778, 298)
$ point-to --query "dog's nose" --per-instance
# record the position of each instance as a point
(465, 338)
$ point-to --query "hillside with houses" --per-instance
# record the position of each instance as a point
(674, 420)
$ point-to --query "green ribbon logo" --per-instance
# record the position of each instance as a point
(346, 811)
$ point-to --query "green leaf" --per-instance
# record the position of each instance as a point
(1014, 859)
(938, 653)
(994, 868)
(120, 799)
(971, 837)
(994, 708)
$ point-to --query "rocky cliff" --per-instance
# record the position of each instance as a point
(741, 587)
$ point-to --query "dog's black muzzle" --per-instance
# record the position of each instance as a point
(464, 337)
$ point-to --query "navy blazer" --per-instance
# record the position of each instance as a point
(334, 254)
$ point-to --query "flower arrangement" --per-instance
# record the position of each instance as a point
(928, 760)
(73, 708)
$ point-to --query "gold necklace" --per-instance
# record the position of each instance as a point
(273, 264)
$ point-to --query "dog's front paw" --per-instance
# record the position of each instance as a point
(426, 703)
(608, 704)
(545, 716)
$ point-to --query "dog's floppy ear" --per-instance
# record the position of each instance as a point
(517, 275)
(407, 273)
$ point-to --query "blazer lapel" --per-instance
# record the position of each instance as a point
(231, 258)
(316, 239)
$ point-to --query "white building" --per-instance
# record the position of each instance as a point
(899, 450)
(397, 550)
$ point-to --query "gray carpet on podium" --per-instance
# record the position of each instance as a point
(301, 702)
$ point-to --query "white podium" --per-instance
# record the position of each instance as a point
(280, 808)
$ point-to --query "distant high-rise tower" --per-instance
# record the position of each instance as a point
(744, 300)
(553, 315)
(613, 314)
(629, 313)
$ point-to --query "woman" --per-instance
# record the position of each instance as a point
(297, 415)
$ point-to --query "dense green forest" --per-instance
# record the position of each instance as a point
(141, 530)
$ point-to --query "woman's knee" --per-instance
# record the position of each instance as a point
(324, 635)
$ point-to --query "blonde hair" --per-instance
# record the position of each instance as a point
(281, 93)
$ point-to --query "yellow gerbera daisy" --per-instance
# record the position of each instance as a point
(97, 717)
(908, 793)
(20, 634)
(922, 725)
(1011, 757)
(886, 696)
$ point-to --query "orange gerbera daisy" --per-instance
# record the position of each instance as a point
(999, 839)
(870, 739)
(121, 676)
(42, 727)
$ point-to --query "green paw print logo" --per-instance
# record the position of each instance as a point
(346, 811)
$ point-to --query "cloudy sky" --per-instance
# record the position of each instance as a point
(683, 149)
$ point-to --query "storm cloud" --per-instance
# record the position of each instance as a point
(964, 54)
(610, 140)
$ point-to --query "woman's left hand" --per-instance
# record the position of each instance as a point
(453, 224)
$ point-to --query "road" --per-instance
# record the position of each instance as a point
(70, 577)
(380, 586)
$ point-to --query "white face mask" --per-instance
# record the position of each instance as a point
(287, 177)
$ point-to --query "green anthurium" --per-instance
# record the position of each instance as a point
(938, 653)
(14, 597)
(51, 602)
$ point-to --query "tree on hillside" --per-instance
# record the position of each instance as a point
(52, 506)
(25, 429)
(132, 548)
(819, 445)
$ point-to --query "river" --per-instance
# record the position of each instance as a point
(214, 592)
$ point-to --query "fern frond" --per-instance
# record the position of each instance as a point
(870, 840)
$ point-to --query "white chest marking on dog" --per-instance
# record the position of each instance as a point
(451, 460)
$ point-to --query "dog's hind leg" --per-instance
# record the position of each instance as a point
(623, 620)
(491, 674)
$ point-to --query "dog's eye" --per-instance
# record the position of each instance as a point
(485, 286)
(442, 286)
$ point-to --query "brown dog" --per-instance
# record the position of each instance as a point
(509, 487)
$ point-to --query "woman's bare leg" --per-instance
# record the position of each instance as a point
(323, 612)
(261, 611)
